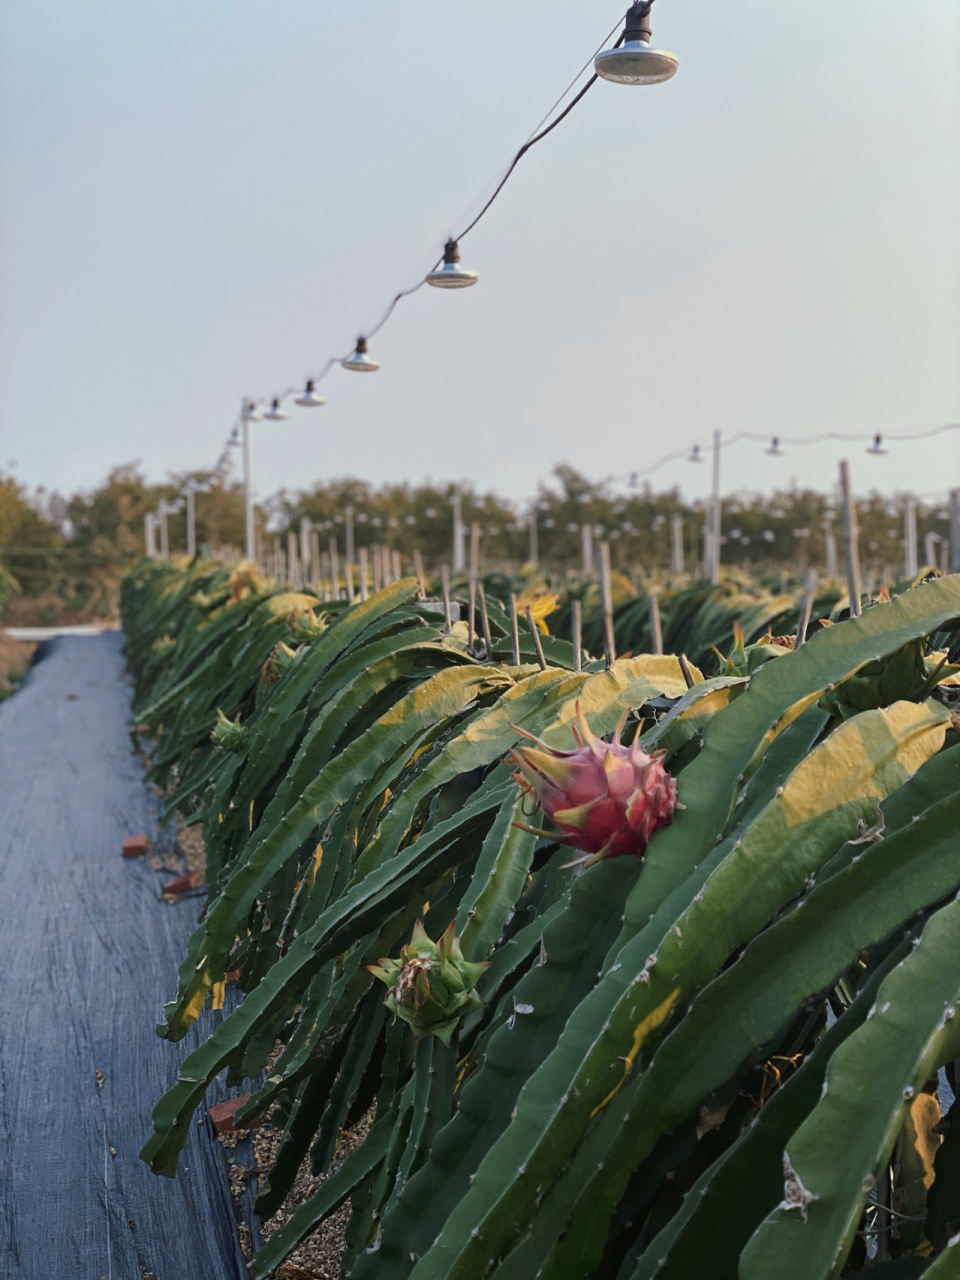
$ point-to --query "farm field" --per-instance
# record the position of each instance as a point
(491, 1041)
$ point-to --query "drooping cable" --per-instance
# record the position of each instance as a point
(847, 437)
(538, 133)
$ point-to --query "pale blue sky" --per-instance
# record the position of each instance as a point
(206, 200)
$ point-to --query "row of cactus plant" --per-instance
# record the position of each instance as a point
(714, 1042)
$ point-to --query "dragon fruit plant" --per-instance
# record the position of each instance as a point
(605, 798)
(431, 986)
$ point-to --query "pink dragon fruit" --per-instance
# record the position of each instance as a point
(605, 798)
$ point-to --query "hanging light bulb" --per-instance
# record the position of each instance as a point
(250, 412)
(635, 62)
(360, 362)
(451, 275)
(695, 454)
(309, 398)
(775, 451)
(877, 446)
(275, 413)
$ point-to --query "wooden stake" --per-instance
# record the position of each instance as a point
(485, 620)
(606, 597)
(514, 630)
(851, 540)
(536, 639)
(334, 570)
(685, 671)
(474, 578)
(377, 568)
(315, 572)
(364, 555)
(676, 543)
(325, 575)
(418, 570)
(586, 549)
(445, 586)
(806, 608)
(396, 565)
(293, 563)
(911, 560)
(655, 629)
(577, 636)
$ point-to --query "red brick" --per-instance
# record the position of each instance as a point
(135, 846)
(222, 1114)
(182, 884)
(233, 975)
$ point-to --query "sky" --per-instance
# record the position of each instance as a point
(202, 202)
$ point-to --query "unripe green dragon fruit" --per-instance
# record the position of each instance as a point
(228, 735)
(606, 799)
(162, 647)
(431, 986)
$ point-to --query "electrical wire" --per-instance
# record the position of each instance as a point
(848, 437)
(536, 136)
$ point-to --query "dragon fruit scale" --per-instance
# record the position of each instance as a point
(606, 799)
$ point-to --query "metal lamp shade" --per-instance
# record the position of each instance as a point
(635, 63)
(275, 413)
(360, 362)
(450, 275)
(309, 399)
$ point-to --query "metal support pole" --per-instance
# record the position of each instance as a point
(191, 521)
(715, 514)
(249, 549)
(955, 530)
(851, 540)
(348, 525)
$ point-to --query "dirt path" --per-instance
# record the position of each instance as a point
(88, 955)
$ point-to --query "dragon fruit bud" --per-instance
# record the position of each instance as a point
(605, 798)
(432, 987)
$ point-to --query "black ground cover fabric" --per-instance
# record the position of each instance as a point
(88, 954)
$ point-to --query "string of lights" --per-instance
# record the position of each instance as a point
(697, 452)
(628, 61)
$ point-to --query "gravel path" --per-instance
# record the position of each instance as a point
(88, 954)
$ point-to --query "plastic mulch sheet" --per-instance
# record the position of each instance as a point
(88, 954)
